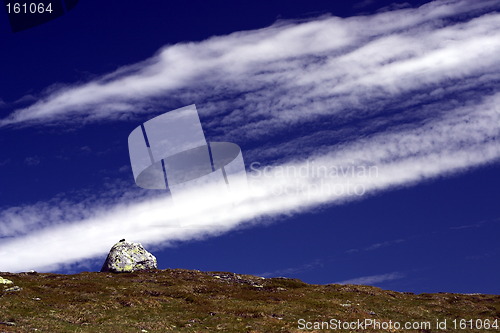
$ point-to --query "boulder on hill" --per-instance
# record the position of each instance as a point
(126, 257)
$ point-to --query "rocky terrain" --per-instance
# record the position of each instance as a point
(176, 300)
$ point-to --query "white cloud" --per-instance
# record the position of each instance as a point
(377, 246)
(289, 75)
(373, 279)
(323, 66)
(415, 155)
(292, 270)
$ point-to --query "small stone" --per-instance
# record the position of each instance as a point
(37, 299)
(13, 289)
(7, 323)
(5, 281)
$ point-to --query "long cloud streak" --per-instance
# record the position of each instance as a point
(350, 71)
(346, 61)
(284, 189)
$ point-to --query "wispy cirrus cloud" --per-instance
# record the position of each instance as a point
(319, 67)
(293, 270)
(393, 90)
(421, 153)
(377, 246)
(374, 279)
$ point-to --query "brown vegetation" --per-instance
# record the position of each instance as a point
(175, 300)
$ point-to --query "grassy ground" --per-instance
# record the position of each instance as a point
(192, 301)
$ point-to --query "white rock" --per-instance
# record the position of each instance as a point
(126, 257)
(5, 281)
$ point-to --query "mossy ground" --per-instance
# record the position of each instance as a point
(192, 301)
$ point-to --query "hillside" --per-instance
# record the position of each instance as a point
(176, 300)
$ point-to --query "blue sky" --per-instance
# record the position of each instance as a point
(316, 94)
